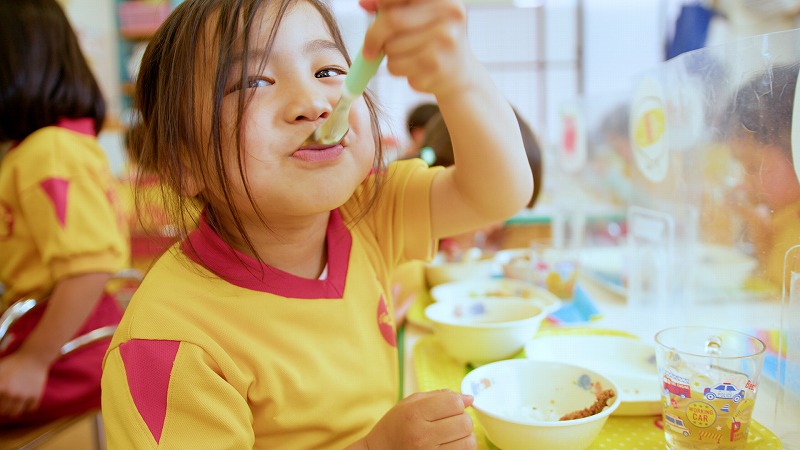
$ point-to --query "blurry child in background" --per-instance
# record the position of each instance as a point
(409, 282)
(761, 123)
(62, 231)
(417, 118)
(489, 239)
(613, 160)
(270, 325)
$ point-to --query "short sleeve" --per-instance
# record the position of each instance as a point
(162, 394)
(71, 202)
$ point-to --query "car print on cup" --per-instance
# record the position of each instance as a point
(676, 387)
(724, 390)
(675, 424)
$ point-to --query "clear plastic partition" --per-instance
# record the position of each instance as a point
(591, 171)
(715, 213)
(783, 361)
(710, 136)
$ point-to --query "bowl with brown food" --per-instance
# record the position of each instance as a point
(523, 403)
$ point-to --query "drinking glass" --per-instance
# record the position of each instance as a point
(709, 380)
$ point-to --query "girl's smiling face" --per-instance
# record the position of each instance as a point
(287, 97)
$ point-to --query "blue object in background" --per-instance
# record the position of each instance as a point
(691, 29)
(579, 309)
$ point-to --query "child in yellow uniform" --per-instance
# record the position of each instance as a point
(761, 124)
(62, 230)
(270, 325)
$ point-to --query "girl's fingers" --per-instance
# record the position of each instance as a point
(370, 6)
(442, 404)
(467, 442)
(417, 17)
(11, 407)
(451, 432)
(403, 19)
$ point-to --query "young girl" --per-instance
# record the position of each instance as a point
(270, 325)
(62, 233)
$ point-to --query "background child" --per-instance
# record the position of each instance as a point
(437, 139)
(760, 124)
(416, 120)
(270, 325)
(62, 233)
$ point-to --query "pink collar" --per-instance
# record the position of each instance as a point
(83, 125)
(209, 250)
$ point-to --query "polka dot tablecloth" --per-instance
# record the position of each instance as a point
(436, 370)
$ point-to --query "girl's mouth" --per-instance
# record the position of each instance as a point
(318, 153)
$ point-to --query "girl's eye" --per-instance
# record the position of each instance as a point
(329, 72)
(258, 82)
(248, 84)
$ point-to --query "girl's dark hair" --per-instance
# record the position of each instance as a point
(183, 71)
(43, 74)
(763, 106)
(438, 138)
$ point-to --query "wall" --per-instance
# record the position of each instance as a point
(541, 53)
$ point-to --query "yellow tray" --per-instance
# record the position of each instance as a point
(436, 370)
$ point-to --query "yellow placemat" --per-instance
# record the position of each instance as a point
(436, 370)
(416, 313)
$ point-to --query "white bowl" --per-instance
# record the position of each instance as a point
(519, 402)
(629, 362)
(722, 267)
(478, 331)
(439, 272)
(496, 288)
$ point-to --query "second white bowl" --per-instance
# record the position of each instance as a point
(478, 331)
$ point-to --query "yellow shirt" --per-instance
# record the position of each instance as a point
(232, 353)
(786, 229)
(60, 213)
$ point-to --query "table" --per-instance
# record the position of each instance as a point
(617, 315)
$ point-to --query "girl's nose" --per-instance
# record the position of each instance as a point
(308, 104)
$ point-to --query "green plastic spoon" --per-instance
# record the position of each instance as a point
(336, 126)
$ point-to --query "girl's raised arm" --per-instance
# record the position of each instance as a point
(426, 41)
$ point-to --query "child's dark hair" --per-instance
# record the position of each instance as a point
(43, 76)
(762, 107)
(420, 115)
(185, 69)
(437, 137)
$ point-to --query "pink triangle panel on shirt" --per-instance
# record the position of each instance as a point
(56, 190)
(206, 247)
(148, 367)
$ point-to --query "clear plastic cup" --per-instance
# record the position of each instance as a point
(709, 381)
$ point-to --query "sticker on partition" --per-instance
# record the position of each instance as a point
(648, 130)
(687, 116)
(572, 150)
(795, 142)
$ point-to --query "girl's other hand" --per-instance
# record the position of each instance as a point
(424, 41)
(433, 419)
(22, 382)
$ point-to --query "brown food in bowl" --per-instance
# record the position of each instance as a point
(603, 397)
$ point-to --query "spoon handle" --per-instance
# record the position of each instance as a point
(361, 71)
